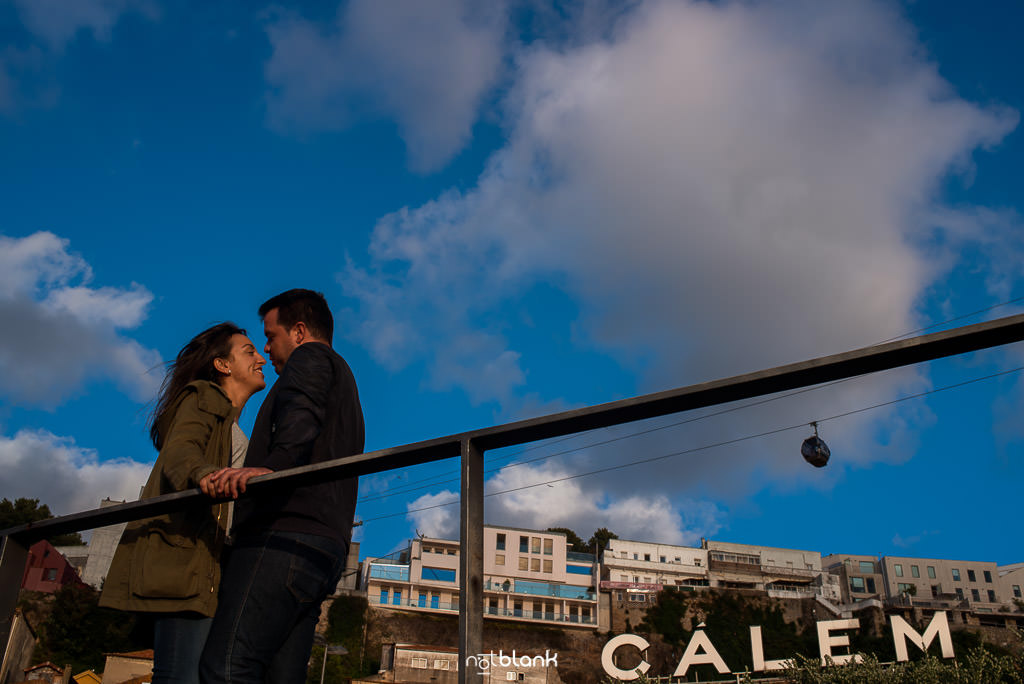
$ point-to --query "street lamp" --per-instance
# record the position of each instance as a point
(329, 649)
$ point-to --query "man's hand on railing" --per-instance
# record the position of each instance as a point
(229, 481)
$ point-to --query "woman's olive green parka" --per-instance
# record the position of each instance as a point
(171, 563)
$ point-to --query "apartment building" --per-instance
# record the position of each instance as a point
(1011, 579)
(976, 582)
(782, 573)
(860, 577)
(635, 570)
(529, 576)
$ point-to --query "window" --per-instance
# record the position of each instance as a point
(622, 554)
(535, 565)
(1016, 590)
(647, 556)
(636, 556)
(991, 596)
(499, 559)
(500, 544)
(524, 545)
(418, 663)
(51, 575)
(899, 570)
(871, 584)
(547, 566)
(396, 600)
(548, 547)
(524, 563)
(915, 571)
(636, 580)
(576, 569)
(384, 596)
(636, 598)
(678, 559)
(988, 576)
(857, 585)
(422, 601)
(535, 545)
(438, 574)
(441, 665)
(931, 572)
(903, 587)
(956, 575)
(623, 578)
(619, 596)
(435, 601)
(696, 562)
(970, 576)
(975, 595)
(960, 593)
(866, 567)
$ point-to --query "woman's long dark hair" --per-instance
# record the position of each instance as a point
(194, 362)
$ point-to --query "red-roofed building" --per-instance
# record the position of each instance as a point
(47, 569)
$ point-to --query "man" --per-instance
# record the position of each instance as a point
(288, 548)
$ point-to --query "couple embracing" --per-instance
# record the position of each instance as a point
(235, 589)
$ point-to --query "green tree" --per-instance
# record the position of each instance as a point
(79, 632)
(22, 511)
(573, 539)
(346, 619)
(600, 539)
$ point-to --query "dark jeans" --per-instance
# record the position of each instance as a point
(271, 591)
(178, 640)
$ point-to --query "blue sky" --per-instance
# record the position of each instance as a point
(519, 207)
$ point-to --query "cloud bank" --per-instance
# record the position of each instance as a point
(426, 66)
(62, 332)
(37, 464)
(719, 188)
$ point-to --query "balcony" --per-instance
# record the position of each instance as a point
(540, 615)
(579, 557)
(565, 591)
(395, 573)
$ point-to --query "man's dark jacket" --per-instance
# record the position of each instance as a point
(311, 414)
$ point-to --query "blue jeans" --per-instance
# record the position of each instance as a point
(178, 640)
(271, 591)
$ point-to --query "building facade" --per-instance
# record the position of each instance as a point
(528, 576)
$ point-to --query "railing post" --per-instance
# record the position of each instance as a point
(471, 559)
(13, 556)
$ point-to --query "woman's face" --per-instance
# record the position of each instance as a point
(245, 363)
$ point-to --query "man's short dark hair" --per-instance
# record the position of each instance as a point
(306, 306)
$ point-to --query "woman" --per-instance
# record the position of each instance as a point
(168, 565)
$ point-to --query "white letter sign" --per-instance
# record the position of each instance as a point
(708, 657)
(826, 642)
(902, 631)
(609, 650)
(757, 650)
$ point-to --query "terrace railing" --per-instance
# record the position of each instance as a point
(471, 446)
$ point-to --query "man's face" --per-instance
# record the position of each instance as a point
(281, 342)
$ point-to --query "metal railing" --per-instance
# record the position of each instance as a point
(471, 446)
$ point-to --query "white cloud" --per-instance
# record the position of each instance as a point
(61, 332)
(102, 306)
(577, 504)
(437, 519)
(57, 22)
(64, 476)
(428, 66)
(720, 188)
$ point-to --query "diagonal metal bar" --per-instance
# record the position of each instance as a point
(824, 369)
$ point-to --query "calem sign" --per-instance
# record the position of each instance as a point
(700, 650)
